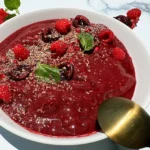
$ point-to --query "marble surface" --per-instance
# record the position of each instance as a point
(112, 8)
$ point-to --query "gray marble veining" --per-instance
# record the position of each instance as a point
(105, 5)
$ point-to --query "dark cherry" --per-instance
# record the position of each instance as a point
(66, 70)
(20, 72)
(50, 35)
(80, 21)
(124, 19)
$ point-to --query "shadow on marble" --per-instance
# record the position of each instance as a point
(23, 144)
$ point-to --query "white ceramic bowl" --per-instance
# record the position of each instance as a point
(136, 49)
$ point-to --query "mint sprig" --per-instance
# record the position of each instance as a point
(86, 41)
(10, 16)
(46, 73)
(12, 5)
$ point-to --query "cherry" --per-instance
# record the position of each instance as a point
(49, 35)
(66, 70)
(20, 72)
(124, 19)
(80, 21)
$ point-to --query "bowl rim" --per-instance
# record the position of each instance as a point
(57, 141)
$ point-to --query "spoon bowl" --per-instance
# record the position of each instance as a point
(125, 122)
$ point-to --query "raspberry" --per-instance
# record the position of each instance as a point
(58, 47)
(21, 53)
(3, 15)
(106, 36)
(118, 54)
(63, 26)
(1, 20)
(134, 13)
(134, 23)
(5, 93)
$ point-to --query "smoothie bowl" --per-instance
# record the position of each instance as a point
(57, 67)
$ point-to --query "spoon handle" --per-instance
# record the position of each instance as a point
(149, 134)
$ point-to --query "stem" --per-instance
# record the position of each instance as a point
(6, 9)
(17, 11)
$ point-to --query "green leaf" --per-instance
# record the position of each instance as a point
(12, 4)
(86, 41)
(10, 16)
(46, 73)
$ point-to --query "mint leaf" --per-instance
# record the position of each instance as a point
(10, 16)
(86, 41)
(46, 73)
(12, 4)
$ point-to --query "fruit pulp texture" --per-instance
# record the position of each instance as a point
(68, 108)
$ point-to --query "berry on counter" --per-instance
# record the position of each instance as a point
(1, 20)
(134, 13)
(131, 19)
(124, 19)
(3, 15)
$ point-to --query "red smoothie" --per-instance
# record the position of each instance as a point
(87, 76)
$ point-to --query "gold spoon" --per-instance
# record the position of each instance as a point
(125, 122)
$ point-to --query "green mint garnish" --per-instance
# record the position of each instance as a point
(86, 41)
(12, 5)
(47, 73)
(10, 16)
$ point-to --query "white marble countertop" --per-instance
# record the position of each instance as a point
(112, 8)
